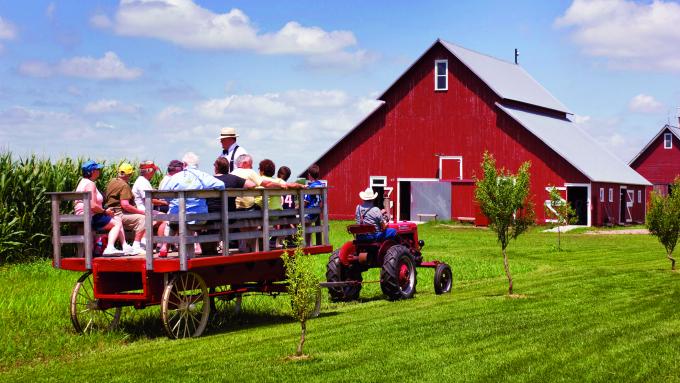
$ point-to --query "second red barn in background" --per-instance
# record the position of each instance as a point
(659, 160)
(425, 142)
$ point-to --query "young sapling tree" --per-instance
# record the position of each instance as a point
(559, 211)
(503, 199)
(663, 219)
(303, 288)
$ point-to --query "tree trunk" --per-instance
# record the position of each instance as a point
(303, 325)
(559, 237)
(671, 259)
(507, 271)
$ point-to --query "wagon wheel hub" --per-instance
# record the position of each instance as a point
(186, 306)
(93, 305)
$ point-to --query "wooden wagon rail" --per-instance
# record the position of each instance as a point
(260, 224)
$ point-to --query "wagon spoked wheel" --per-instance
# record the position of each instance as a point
(185, 306)
(443, 279)
(86, 311)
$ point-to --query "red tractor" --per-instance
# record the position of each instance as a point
(397, 259)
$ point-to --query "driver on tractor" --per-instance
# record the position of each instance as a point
(368, 214)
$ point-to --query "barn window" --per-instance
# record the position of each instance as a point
(639, 196)
(450, 167)
(667, 141)
(611, 195)
(601, 194)
(441, 78)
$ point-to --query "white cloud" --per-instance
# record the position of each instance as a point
(7, 30)
(643, 103)
(293, 127)
(168, 113)
(268, 105)
(58, 134)
(578, 119)
(101, 21)
(110, 106)
(184, 23)
(105, 68)
(49, 11)
(103, 125)
(631, 35)
(109, 67)
(35, 69)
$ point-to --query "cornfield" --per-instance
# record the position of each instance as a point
(25, 209)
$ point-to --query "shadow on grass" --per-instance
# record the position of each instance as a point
(148, 325)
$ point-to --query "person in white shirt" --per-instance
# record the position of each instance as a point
(230, 150)
(147, 170)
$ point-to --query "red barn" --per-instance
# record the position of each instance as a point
(659, 160)
(425, 143)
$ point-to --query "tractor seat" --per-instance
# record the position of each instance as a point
(360, 229)
(358, 232)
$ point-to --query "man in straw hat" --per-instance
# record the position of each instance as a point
(368, 214)
(230, 150)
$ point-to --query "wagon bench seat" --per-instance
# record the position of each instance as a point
(171, 264)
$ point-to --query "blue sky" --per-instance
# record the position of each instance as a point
(148, 79)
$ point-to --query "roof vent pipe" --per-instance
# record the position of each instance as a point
(517, 58)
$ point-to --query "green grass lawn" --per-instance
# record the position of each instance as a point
(605, 309)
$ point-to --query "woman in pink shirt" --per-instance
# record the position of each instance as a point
(102, 219)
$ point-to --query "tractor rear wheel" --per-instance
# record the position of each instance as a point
(443, 279)
(337, 272)
(398, 275)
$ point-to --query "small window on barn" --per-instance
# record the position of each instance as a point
(667, 140)
(441, 78)
(601, 194)
(639, 196)
(611, 195)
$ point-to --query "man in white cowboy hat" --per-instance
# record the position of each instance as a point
(368, 214)
(230, 150)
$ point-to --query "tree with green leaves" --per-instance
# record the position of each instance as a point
(559, 211)
(303, 288)
(663, 219)
(504, 200)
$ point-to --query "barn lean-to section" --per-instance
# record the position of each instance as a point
(425, 142)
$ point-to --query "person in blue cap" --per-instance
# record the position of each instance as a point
(102, 219)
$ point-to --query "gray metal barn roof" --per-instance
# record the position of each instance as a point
(507, 80)
(577, 147)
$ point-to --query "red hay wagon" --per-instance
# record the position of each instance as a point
(186, 286)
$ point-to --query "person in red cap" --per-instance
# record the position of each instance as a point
(147, 170)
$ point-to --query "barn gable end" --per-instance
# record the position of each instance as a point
(657, 163)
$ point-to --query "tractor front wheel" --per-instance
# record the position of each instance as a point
(398, 275)
(337, 272)
(443, 279)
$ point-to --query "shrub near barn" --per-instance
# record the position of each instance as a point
(504, 199)
(663, 219)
